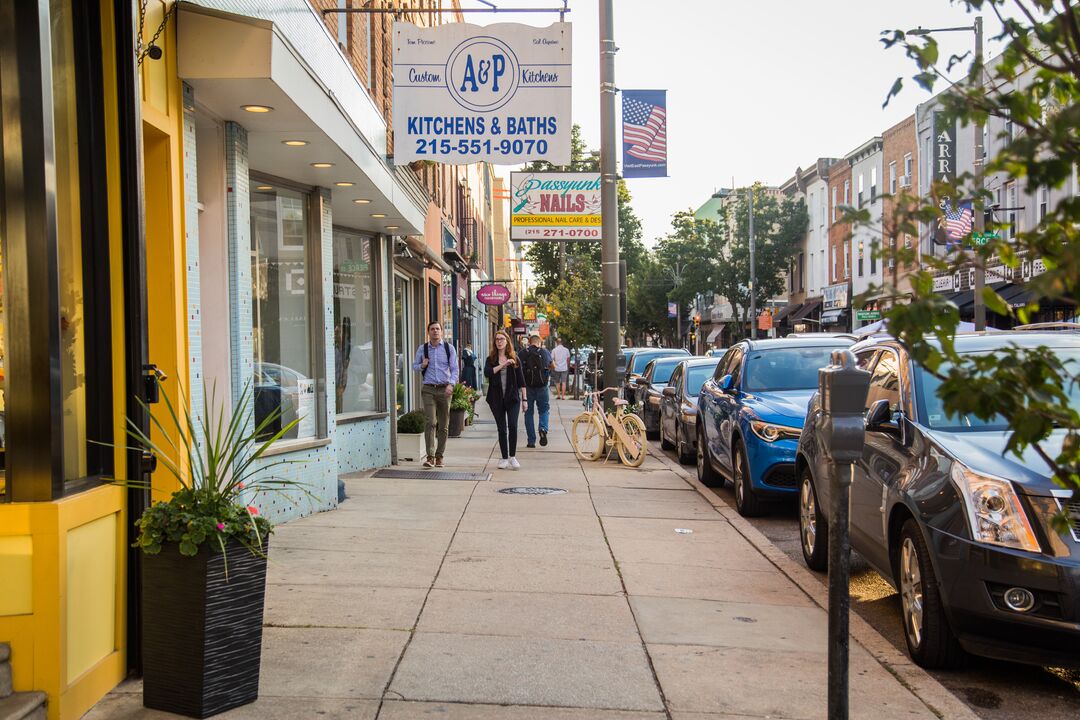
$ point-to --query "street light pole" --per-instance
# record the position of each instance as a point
(753, 273)
(980, 219)
(609, 247)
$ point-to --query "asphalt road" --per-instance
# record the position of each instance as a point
(993, 690)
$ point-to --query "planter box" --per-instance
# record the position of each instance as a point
(411, 446)
(457, 422)
(202, 633)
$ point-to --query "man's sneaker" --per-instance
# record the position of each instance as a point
(543, 437)
(531, 445)
(429, 462)
(438, 462)
(503, 464)
(514, 463)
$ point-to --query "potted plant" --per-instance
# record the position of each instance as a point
(204, 554)
(410, 436)
(459, 406)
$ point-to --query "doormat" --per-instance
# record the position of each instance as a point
(430, 475)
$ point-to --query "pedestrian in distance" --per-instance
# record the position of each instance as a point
(560, 358)
(505, 394)
(536, 365)
(437, 362)
(468, 360)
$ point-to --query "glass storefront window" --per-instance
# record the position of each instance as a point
(403, 327)
(357, 378)
(281, 327)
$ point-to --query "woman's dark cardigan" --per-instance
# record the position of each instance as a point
(514, 382)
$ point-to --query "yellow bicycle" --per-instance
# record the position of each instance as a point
(595, 431)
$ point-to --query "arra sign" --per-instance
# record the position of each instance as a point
(498, 94)
(554, 206)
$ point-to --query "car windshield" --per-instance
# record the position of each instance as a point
(932, 408)
(662, 372)
(696, 377)
(791, 368)
(638, 363)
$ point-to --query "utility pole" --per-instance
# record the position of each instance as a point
(753, 273)
(980, 218)
(609, 248)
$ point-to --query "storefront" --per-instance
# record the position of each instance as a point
(835, 308)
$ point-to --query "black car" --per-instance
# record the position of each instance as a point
(632, 362)
(649, 390)
(678, 406)
(961, 527)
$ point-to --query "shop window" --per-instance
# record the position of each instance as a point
(285, 372)
(358, 377)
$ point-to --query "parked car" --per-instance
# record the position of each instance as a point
(716, 353)
(635, 361)
(649, 391)
(750, 414)
(277, 386)
(679, 404)
(958, 524)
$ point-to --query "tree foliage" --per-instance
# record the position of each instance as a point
(575, 301)
(1035, 82)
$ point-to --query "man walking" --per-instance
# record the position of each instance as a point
(560, 357)
(437, 362)
(536, 364)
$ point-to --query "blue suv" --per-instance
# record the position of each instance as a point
(751, 412)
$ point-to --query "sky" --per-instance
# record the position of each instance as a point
(755, 88)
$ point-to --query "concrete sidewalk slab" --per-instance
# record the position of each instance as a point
(297, 663)
(321, 567)
(128, 706)
(569, 525)
(690, 551)
(529, 575)
(353, 606)
(591, 550)
(401, 710)
(700, 583)
(359, 539)
(526, 671)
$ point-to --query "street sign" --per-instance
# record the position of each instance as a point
(764, 321)
(983, 238)
(867, 315)
(554, 206)
(528, 314)
(493, 294)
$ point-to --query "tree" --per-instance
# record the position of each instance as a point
(1035, 83)
(646, 303)
(576, 300)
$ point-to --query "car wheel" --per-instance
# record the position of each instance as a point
(930, 640)
(664, 442)
(746, 502)
(686, 456)
(705, 472)
(813, 528)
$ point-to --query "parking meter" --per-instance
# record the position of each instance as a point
(842, 389)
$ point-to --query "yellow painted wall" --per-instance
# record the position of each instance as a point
(90, 598)
(17, 571)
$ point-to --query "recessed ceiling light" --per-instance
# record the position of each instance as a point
(322, 165)
(265, 187)
(391, 227)
(258, 108)
(378, 215)
(344, 184)
(361, 201)
(294, 143)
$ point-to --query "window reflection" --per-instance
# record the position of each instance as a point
(356, 380)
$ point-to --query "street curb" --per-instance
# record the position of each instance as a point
(937, 698)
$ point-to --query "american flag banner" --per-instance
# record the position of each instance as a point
(957, 221)
(644, 133)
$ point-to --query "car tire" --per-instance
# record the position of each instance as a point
(931, 642)
(746, 502)
(666, 444)
(813, 527)
(705, 472)
(686, 456)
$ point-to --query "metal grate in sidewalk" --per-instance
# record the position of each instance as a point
(430, 475)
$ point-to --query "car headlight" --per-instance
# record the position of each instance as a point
(771, 432)
(994, 510)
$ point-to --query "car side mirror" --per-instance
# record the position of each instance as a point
(727, 384)
(669, 392)
(642, 382)
(879, 417)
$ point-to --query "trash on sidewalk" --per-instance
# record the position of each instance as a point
(684, 531)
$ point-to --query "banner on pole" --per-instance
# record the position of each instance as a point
(554, 206)
(672, 310)
(644, 136)
(944, 149)
(498, 94)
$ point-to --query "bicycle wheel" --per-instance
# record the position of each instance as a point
(588, 436)
(634, 428)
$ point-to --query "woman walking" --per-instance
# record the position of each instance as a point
(505, 395)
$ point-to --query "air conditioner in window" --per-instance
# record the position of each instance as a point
(905, 181)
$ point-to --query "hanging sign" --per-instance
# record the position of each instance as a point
(554, 206)
(498, 94)
(944, 149)
(493, 294)
(644, 137)
(528, 312)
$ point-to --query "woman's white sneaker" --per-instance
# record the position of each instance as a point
(514, 463)
(503, 464)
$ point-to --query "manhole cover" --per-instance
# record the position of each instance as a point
(430, 475)
(532, 491)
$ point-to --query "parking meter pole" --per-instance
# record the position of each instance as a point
(842, 388)
(839, 595)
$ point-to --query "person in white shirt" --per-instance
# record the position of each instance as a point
(560, 358)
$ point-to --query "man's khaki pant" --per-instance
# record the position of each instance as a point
(437, 412)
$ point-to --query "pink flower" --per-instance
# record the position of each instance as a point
(240, 486)
(221, 526)
(253, 510)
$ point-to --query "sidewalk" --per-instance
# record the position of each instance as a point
(446, 599)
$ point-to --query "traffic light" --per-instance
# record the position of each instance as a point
(506, 320)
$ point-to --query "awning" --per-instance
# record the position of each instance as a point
(831, 317)
(806, 310)
(713, 335)
(1016, 295)
(966, 300)
(785, 312)
(420, 248)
